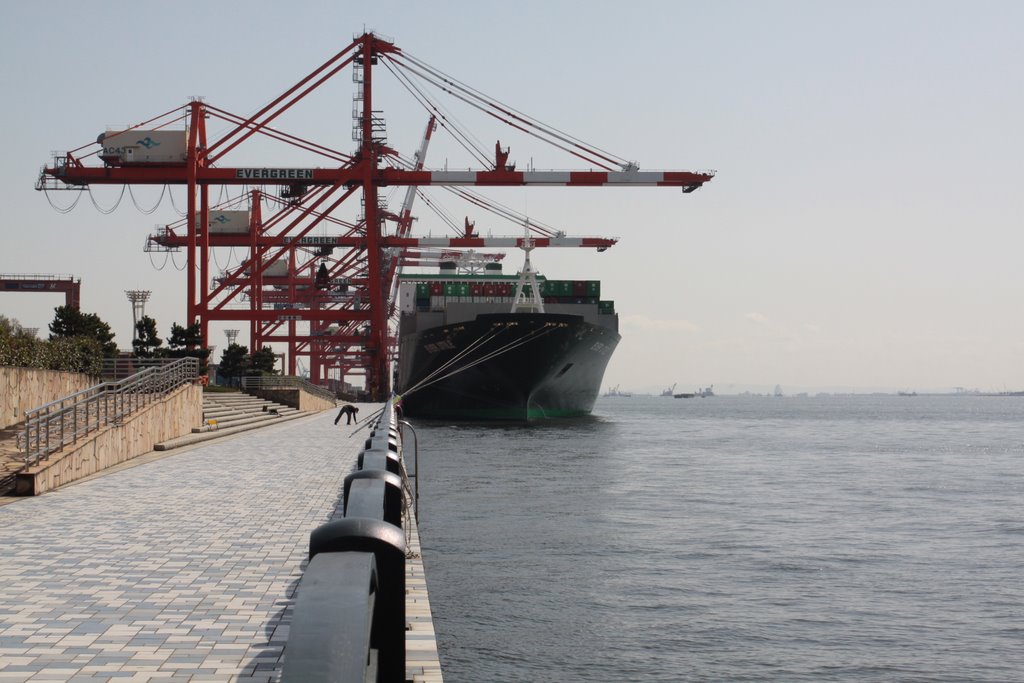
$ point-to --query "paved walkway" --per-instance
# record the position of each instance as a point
(179, 569)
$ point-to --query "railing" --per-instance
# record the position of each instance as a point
(287, 382)
(349, 619)
(120, 368)
(61, 423)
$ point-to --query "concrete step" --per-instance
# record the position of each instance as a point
(190, 439)
(240, 420)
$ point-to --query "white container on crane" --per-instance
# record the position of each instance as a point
(130, 147)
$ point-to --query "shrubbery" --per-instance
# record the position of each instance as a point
(69, 354)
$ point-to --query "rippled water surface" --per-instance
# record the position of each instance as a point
(745, 539)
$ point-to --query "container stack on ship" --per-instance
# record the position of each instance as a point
(464, 355)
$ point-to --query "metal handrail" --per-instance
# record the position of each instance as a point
(287, 382)
(120, 368)
(61, 423)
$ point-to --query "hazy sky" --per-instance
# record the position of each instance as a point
(864, 231)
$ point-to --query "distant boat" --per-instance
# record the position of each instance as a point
(668, 392)
(703, 392)
(614, 392)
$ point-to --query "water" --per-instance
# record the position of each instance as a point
(744, 539)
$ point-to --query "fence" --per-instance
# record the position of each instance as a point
(61, 423)
(121, 368)
(286, 382)
(349, 620)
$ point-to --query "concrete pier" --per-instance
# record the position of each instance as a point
(182, 566)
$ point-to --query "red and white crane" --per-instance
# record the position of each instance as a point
(348, 332)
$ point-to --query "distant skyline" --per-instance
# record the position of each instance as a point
(863, 232)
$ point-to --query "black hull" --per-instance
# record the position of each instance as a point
(505, 366)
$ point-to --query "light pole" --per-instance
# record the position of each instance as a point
(138, 297)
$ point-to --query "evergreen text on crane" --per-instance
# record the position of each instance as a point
(274, 173)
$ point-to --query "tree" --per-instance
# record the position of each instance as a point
(185, 338)
(147, 343)
(70, 322)
(234, 361)
(185, 342)
(9, 326)
(263, 362)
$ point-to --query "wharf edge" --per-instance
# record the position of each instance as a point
(150, 570)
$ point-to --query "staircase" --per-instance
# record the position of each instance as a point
(223, 414)
(230, 413)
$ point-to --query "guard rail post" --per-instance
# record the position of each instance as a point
(349, 621)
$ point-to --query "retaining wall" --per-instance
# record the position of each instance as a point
(171, 417)
(23, 389)
(296, 398)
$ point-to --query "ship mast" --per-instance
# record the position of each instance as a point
(527, 276)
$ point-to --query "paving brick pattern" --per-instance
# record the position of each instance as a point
(182, 569)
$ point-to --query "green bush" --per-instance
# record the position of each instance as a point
(69, 354)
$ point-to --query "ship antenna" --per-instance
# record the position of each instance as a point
(527, 276)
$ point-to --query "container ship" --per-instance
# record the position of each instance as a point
(488, 346)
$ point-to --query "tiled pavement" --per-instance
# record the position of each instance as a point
(181, 569)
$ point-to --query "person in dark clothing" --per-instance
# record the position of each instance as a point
(348, 411)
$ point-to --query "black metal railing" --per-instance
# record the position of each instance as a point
(349, 620)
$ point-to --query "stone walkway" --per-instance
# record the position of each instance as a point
(180, 569)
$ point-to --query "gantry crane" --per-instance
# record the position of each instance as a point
(158, 152)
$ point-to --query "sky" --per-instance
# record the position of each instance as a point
(862, 232)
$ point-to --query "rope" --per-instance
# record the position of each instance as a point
(535, 334)
(166, 254)
(474, 147)
(175, 262)
(111, 210)
(61, 209)
(155, 206)
(454, 359)
(508, 347)
(504, 108)
(175, 206)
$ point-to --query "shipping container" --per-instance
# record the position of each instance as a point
(436, 289)
(228, 222)
(579, 288)
(278, 268)
(165, 147)
(407, 297)
(606, 307)
(422, 290)
(594, 288)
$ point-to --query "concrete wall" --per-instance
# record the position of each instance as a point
(174, 416)
(23, 389)
(296, 398)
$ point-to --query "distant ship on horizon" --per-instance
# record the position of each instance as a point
(614, 392)
(703, 392)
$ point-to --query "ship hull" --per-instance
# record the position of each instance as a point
(512, 366)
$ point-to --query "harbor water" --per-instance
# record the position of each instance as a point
(838, 538)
